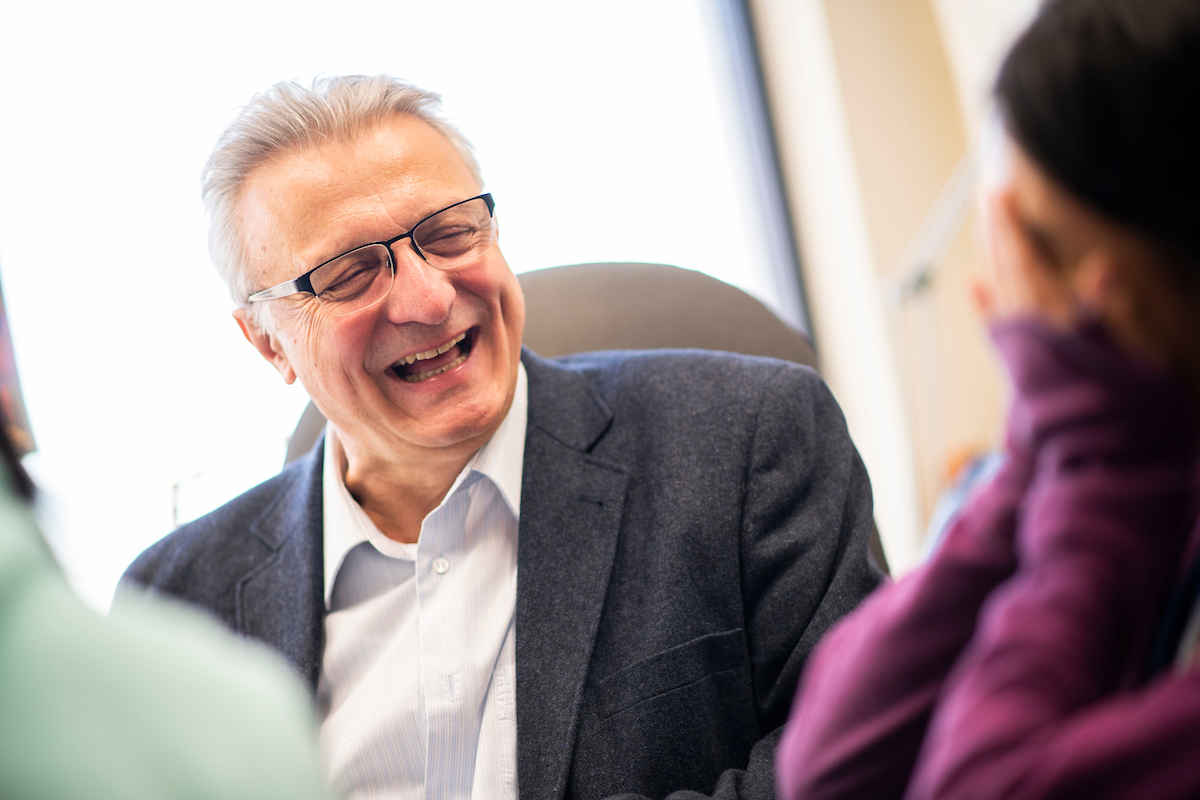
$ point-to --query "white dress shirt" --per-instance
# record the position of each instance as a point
(418, 678)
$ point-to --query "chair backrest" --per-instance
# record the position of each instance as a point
(625, 306)
(628, 306)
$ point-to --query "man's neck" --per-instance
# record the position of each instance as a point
(397, 495)
(398, 483)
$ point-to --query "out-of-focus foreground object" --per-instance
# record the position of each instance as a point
(155, 702)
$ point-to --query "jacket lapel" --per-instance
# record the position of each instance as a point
(571, 505)
(280, 598)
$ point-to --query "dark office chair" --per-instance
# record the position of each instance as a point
(625, 306)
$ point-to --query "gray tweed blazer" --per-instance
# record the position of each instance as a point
(691, 524)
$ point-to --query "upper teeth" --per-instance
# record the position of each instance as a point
(437, 351)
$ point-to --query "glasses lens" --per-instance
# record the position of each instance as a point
(457, 234)
(354, 281)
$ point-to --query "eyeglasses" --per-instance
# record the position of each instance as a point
(362, 277)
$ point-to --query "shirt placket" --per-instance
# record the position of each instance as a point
(450, 728)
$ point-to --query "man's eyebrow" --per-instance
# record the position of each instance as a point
(352, 243)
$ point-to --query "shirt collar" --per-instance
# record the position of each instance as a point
(346, 525)
(503, 457)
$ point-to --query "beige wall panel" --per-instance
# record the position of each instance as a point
(887, 87)
(977, 34)
(905, 126)
(907, 135)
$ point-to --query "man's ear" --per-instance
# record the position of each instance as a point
(266, 344)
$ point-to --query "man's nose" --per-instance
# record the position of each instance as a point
(420, 291)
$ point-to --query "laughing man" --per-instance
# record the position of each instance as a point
(579, 578)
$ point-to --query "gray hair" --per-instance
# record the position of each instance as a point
(290, 117)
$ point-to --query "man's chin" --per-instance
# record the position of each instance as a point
(453, 425)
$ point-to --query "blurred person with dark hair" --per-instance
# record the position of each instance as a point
(1047, 649)
(154, 703)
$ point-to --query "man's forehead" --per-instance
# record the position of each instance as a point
(393, 147)
(321, 200)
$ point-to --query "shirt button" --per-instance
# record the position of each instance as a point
(441, 566)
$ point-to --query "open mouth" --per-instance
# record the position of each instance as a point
(423, 366)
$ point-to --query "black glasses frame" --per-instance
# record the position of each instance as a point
(304, 282)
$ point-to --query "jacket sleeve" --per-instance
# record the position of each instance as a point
(806, 526)
(1040, 704)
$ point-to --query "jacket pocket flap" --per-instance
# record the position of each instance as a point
(670, 669)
